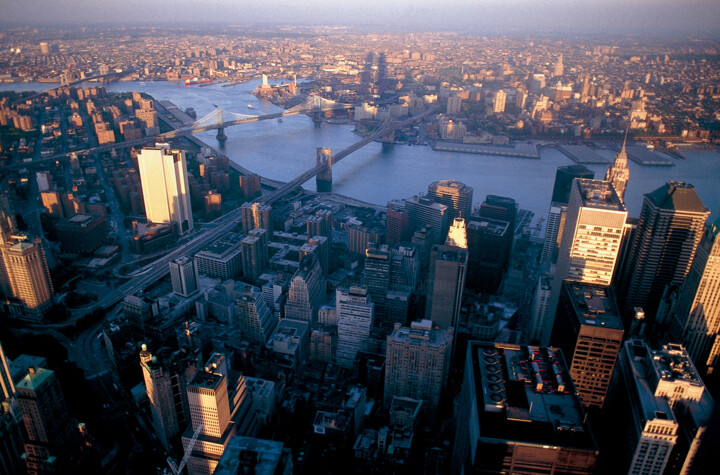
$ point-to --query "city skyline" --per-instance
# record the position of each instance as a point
(559, 17)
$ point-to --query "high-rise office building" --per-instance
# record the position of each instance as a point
(446, 282)
(255, 215)
(7, 387)
(164, 179)
(158, 386)
(320, 224)
(48, 426)
(255, 320)
(618, 173)
(404, 268)
(501, 208)
(223, 406)
(184, 276)
(417, 364)
(28, 277)
(222, 259)
(254, 253)
(457, 234)
(559, 68)
(355, 312)
(589, 330)
(423, 212)
(695, 320)
(591, 241)
(376, 278)
(488, 243)
(670, 408)
(11, 440)
(397, 224)
(518, 413)
(564, 177)
(499, 102)
(672, 222)
(320, 246)
(457, 196)
(307, 291)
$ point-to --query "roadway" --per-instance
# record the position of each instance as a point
(173, 134)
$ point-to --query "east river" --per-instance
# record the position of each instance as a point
(377, 174)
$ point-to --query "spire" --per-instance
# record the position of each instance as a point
(618, 173)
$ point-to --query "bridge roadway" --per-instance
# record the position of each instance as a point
(72, 83)
(245, 120)
(299, 180)
(170, 135)
(159, 268)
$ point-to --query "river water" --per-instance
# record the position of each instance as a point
(377, 174)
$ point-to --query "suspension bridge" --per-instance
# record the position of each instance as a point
(218, 120)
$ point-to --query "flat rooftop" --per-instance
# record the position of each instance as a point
(262, 455)
(525, 394)
(598, 194)
(672, 363)
(594, 305)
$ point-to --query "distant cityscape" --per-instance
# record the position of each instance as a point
(165, 309)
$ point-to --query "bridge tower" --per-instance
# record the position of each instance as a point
(323, 180)
(220, 130)
(389, 136)
(64, 80)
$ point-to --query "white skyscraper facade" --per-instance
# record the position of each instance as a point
(166, 193)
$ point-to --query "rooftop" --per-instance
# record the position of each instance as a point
(599, 194)
(672, 363)
(677, 196)
(594, 305)
(525, 394)
(263, 456)
(34, 378)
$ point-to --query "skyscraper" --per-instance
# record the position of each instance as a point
(499, 102)
(48, 425)
(488, 243)
(424, 212)
(446, 281)
(184, 276)
(618, 173)
(672, 222)
(164, 179)
(223, 406)
(591, 241)
(255, 320)
(589, 330)
(695, 321)
(158, 387)
(397, 224)
(320, 224)
(518, 413)
(564, 177)
(457, 196)
(355, 312)
(255, 215)
(254, 253)
(376, 278)
(670, 407)
(559, 68)
(417, 364)
(307, 291)
(28, 276)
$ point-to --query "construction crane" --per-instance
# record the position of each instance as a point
(173, 466)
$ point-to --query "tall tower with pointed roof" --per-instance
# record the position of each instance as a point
(618, 173)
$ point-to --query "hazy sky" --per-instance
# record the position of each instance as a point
(686, 17)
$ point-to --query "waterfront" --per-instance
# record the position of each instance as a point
(377, 174)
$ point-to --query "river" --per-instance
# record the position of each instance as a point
(283, 150)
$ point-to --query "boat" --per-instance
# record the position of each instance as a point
(194, 81)
(250, 106)
(280, 119)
